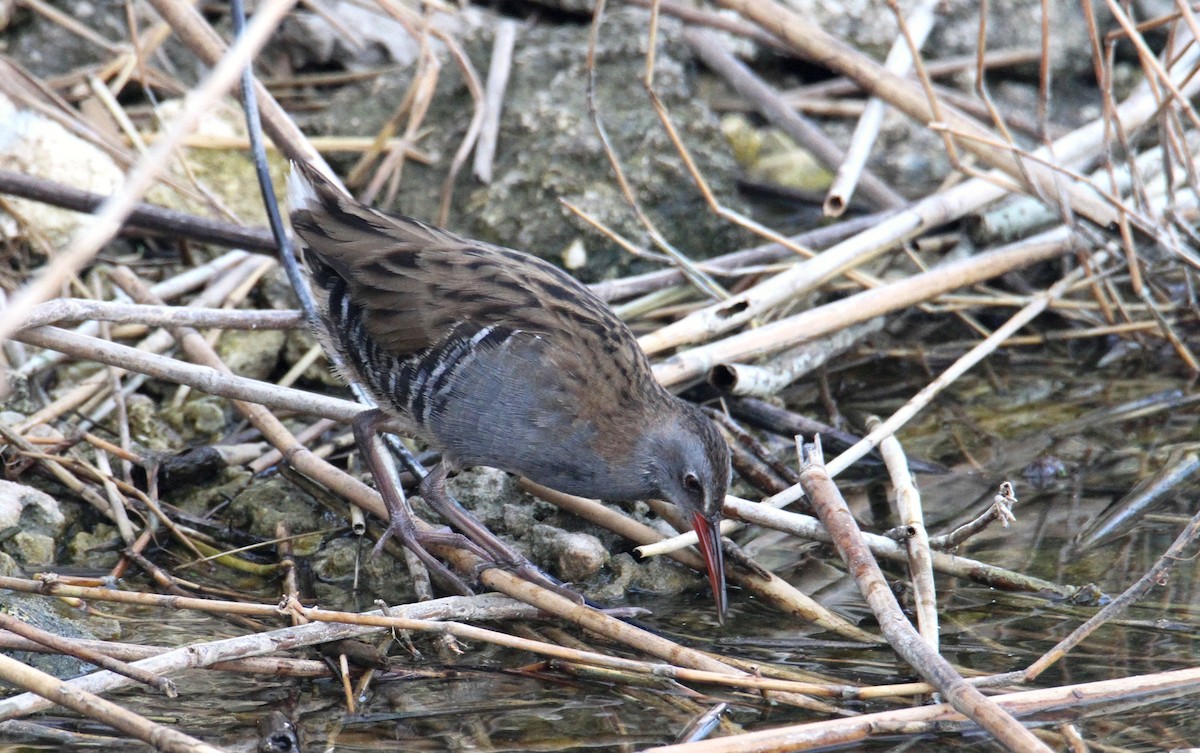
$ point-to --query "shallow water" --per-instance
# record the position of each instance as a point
(1057, 441)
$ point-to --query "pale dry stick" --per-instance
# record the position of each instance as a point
(766, 379)
(168, 289)
(908, 509)
(93, 707)
(121, 408)
(827, 501)
(304, 436)
(932, 211)
(265, 265)
(1050, 244)
(493, 102)
(1000, 509)
(1019, 216)
(117, 397)
(66, 310)
(899, 61)
(965, 363)
(107, 221)
(766, 514)
(116, 502)
(694, 275)
(117, 113)
(208, 380)
(769, 103)
(308, 359)
(209, 653)
(813, 42)
(130, 652)
(156, 342)
(1145, 222)
(931, 719)
(1155, 576)
(728, 264)
(651, 303)
(689, 365)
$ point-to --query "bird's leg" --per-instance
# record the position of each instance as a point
(433, 491)
(400, 518)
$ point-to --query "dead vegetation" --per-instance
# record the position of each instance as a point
(1087, 223)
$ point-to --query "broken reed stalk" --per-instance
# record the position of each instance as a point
(169, 289)
(899, 62)
(920, 560)
(273, 666)
(827, 501)
(71, 647)
(67, 310)
(937, 718)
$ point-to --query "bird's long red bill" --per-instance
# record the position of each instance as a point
(709, 534)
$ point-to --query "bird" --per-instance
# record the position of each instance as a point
(497, 358)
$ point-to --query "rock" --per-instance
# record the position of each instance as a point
(342, 562)
(31, 549)
(265, 502)
(29, 509)
(575, 556)
(252, 353)
(204, 416)
(148, 426)
(548, 148)
(51, 616)
(97, 549)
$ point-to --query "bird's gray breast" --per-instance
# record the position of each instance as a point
(501, 403)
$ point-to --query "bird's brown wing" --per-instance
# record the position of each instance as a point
(417, 285)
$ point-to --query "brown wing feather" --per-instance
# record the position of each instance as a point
(417, 283)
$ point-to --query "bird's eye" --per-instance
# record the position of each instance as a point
(691, 482)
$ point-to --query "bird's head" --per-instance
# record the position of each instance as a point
(689, 467)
